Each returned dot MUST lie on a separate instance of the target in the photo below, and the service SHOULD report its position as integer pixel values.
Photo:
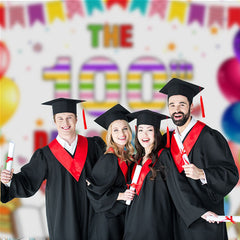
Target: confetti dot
(171, 46)
(214, 30)
(37, 47)
(2, 140)
(39, 122)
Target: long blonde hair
(125, 155)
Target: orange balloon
(9, 99)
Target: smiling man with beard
(212, 173)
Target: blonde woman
(107, 190)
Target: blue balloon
(231, 122)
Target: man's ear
(191, 108)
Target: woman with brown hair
(107, 190)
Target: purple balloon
(229, 79)
(236, 45)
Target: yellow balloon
(9, 99)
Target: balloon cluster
(9, 92)
(229, 83)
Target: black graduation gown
(151, 213)
(107, 181)
(67, 205)
(212, 154)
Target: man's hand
(193, 172)
(205, 215)
(6, 176)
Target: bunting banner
(233, 16)
(55, 11)
(35, 13)
(140, 5)
(216, 15)
(16, 14)
(74, 8)
(92, 5)
(158, 8)
(122, 3)
(196, 13)
(185, 12)
(2, 16)
(178, 10)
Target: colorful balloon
(9, 99)
(4, 58)
(228, 79)
(231, 122)
(236, 45)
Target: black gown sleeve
(220, 169)
(186, 202)
(101, 192)
(27, 182)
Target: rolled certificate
(232, 219)
(10, 156)
(181, 148)
(134, 180)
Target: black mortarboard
(148, 117)
(60, 105)
(117, 112)
(180, 87)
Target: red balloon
(4, 58)
(229, 79)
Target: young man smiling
(65, 163)
(212, 173)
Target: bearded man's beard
(183, 120)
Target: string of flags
(186, 12)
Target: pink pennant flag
(16, 15)
(159, 8)
(216, 15)
(74, 7)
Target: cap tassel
(84, 119)
(202, 107)
(135, 128)
(168, 139)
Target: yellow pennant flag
(178, 10)
(55, 10)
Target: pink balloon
(229, 79)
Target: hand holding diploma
(134, 180)
(6, 175)
(232, 219)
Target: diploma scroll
(181, 148)
(232, 219)
(10, 156)
(134, 180)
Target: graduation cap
(177, 86)
(117, 112)
(60, 105)
(148, 117)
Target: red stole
(144, 171)
(122, 164)
(73, 165)
(188, 144)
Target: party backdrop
(108, 52)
